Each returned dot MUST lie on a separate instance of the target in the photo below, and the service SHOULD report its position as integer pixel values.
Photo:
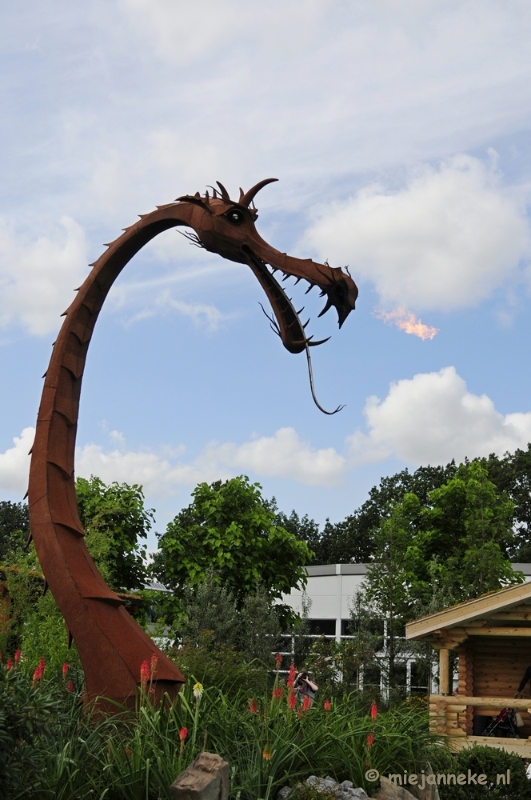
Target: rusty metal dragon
(112, 646)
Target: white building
(330, 591)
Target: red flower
(128, 751)
(374, 711)
(9, 664)
(292, 700)
(18, 653)
(144, 674)
(306, 703)
(39, 671)
(154, 661)
(65, 670)
(253, 707)
(370, 740)
(277, 692)
(291, 676)
(70, 686)
(278, 661)
(326, 705)
(183, 733)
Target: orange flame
(406, 321)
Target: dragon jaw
(227, 228)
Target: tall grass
(136, 756)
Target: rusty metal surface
(110, 643)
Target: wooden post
(444, 671)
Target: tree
(452, 548)
(512, 475)
(230, 528)
(115, 520)
(304, 528)
(470, 535)
(14, 527)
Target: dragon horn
(224, 192)
(246, 198)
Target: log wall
(493, 667)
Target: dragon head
(227, 227)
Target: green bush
(482, 760)
(52, 748)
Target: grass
(56, 749)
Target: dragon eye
(235, 216)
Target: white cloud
(202, 315)
(14, 464)
(37, 278)
(428, 419)
(432, 419)
(282, 455)
(445, 241)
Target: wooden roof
(506, 612)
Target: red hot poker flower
(374, 711)
(65, 669)
(292, 701)
(292, 675)
(18, 653)
(154, 662)
(253, 707)
(306, 704)
(9, 664)
(326, 705)
(144, 673)
(278, 661)
(70, 686)
(183, 733)
(370, 740)
(277, 692)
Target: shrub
(482, 760)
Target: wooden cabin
(491, 636)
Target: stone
(390, 791)
(347, 785)
(284, 793)
(207, 778)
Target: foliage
(352, 539)
(231, 529)
(52, 749)
(33, 622)
(208, 608)
(114, 519)
(221, 666)
(31, 714)
(427, 555)
(512, 475)
(481, 760)
(14, 528)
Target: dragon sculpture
(111, 645)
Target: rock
(284, 793)
(389, 791)
(207, 778)
(327, 786)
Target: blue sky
(400, 136)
